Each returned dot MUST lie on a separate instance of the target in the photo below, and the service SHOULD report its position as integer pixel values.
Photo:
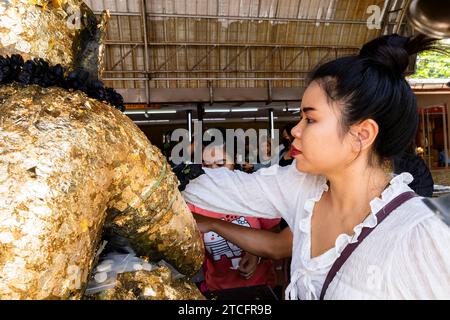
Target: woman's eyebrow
(307, 109)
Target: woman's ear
(366, 132)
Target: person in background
(265, 145)
(269, 244)
(243, 160)
(187, 170)
(286, 158)
(409, 161)
(441, 161)
(226, 264)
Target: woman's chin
(302, 166)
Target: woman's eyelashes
(308, 120)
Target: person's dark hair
(372, 85)
(288, 128)
(39, 72)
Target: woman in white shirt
(356, 112)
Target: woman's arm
(269, 193)
(262, 243)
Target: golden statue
(72, 167)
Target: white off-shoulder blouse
(405, 257)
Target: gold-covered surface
(66, 161)
(158, 235)
(150, 285)
(62, 32)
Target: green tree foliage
(433, 65)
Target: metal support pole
(189, 124)
(428, 136)
(236, 18)
(204, 78)
(211, 92)
(423, 131)
(271, 124)
(200, 111)
(385, 15)
(269, 91)
(402, 16)
(206, 71)
(146, 58)
(234, 45)
(444, 119)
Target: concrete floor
(441, 176)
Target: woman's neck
(352, 189)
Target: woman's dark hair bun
(393, 51)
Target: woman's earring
(360, 142)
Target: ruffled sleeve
(420, 267)
(268, 193)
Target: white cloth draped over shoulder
(405, 257)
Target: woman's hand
(204, 224)
(248, 265)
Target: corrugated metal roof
(254, 47)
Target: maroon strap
(381, 215)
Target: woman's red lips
(295, 151)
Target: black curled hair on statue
(372, 85)
(39, 72)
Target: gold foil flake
(7, 21)
(57, 3)
(8, 39)
(84, 225)
(6, 237)
(23, 46)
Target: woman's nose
(297, 131)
